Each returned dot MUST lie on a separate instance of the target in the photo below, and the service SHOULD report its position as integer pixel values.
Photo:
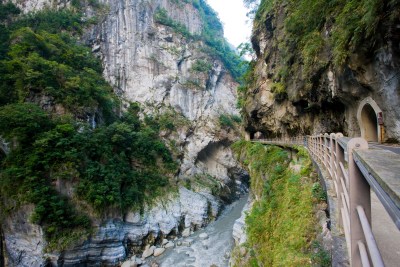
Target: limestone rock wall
(151, 64)
(23, 241)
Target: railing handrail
(352, 185)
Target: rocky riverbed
(210, 246)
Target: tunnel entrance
(369, 123)
(370, 120)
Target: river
(213, 251)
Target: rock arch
(370, 120)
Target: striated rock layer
(113, 238)
(118, 237)
(149, 63)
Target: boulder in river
(158, 251)
(186, 232)
(169, 245)
(148, 251)
(129, 263)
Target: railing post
(313, 146)
(316, 148)
(339, 189)
(323, 149)
(359, 193)
(332, 159)
(326, 151)
(320, 147)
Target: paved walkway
(386, 233)
(395, 149)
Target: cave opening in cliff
(369, 123)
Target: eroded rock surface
(329, 99)
(114, 237)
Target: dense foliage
(281, 224)
(212, 35)
(161, 16)
(230, 121)
(56, 66)
(49, 86)
(318, 32)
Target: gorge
(123, 127)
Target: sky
(232, 13)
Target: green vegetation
(161, 17)
(279, 90)
(281, 224)
(168, 119)
(212, 35)
(318, 192)
(229, 121)
(318, 32)
(120, 165)
(52, 21)
(201, 66)
(203, 182)
(54, 65)
(248, 83)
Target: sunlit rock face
(150, 63)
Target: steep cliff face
(154, 65)
(325, 68)
(166, 71)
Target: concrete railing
(284, 141)
(336, 153)
(353, 178)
